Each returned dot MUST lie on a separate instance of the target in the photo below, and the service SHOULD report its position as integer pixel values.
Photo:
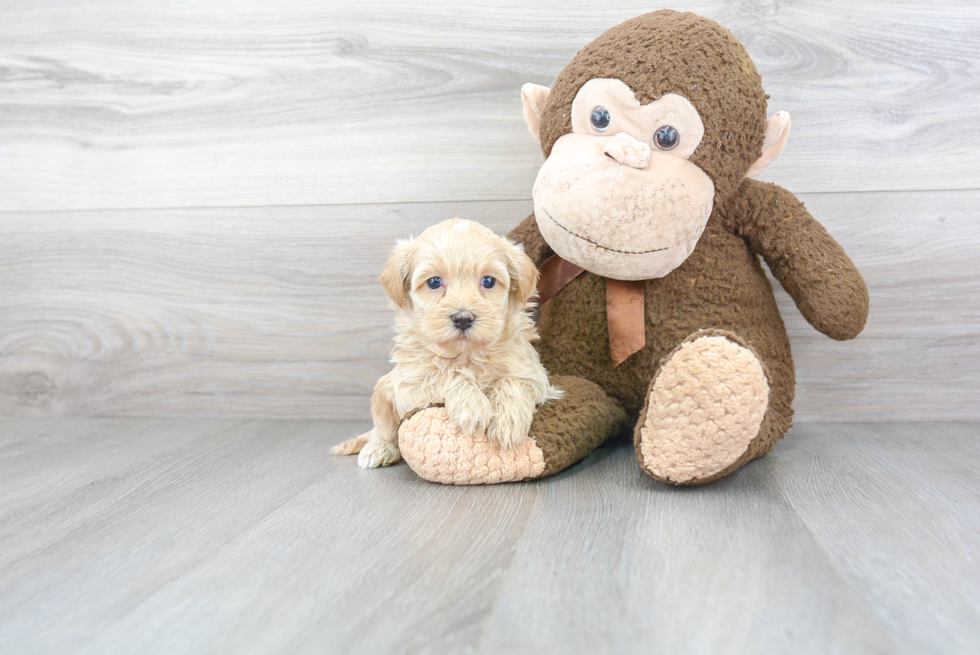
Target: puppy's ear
(397, 272)
(523, 273)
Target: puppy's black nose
(463, 320)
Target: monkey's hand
(468, 407)
(812, 267)
(513, 411)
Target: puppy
(464, 335)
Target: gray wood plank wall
(196, 198)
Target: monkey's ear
(777, 132)
(523, 274)
(397, 272)
(534, 97)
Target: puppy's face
(459, 283)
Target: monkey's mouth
(599, 245)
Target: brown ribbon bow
(624, 305)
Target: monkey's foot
(563, 432)
(440, 452)
(703, 410)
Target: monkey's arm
(811, 266)
(534, 244)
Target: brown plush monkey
(648, 228)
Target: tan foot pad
(705, 409)
(441, 452)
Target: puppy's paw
(509, 429)
(473, 418)
(378, 453)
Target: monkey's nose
(463, 320)
(628, 151)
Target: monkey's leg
(563, 432)
(705, 410)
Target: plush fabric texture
(812, 267)
(628, 117)
(777, 134)
(672, 52)
(611, 202)
(715, 353)
(440, 452)
(627, 150)
(721, 287)
(570, 428)
(615, 220)
(563, 432)
(703, 410)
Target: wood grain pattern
(187, 104)
(261, 119)
(906, 498)
(276, 312)
(62, 455)
(247, 536)
(723, 568)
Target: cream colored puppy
(463, 339)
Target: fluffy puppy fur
(464, 335)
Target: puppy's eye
(434, 282)
(600, 118)
(666, 137)
(488, 282)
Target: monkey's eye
(600, 118)
(666, 137)
(488, 282)
(434, 282)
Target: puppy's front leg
(381, 446)
(513, 409)
(468, 407)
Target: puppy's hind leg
(351, 446)
(380, 447)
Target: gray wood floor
(203, 536)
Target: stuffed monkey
(648, 227)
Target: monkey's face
(618, 195)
